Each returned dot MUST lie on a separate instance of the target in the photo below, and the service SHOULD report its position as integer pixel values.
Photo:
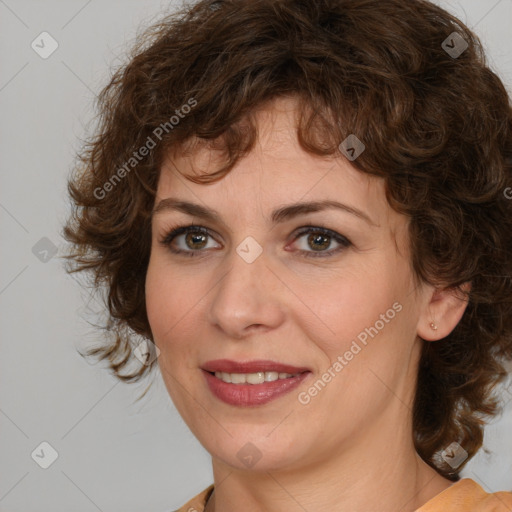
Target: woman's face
(339, 307)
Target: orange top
(462, 496)
(467, 496)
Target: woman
(300, 205)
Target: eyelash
(179, 230)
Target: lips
(228, 366)
(251, 394)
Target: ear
(443, 312)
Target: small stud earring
(433, 326)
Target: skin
(350, 447)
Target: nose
(247, 298)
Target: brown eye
(194, 240)
(187, 240)
(318, 240)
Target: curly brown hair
(437, 127)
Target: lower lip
(248, 395)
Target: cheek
(167, 307)
(348, 307)
(154, 298)
(173, 301)
(375, 345)
(369, 355)
(162, 301)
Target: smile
(252, 383)
(252, 378)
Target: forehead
(277, 171)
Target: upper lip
(228, 366)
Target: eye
(318, 240)
(189, 239)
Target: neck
(375, 471)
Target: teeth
(252, 378)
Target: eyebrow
(279, 215)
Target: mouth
(253, 378)
(247, 384)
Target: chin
(255, 451)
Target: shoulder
(500, 501)
(198, 502)
(466, 495)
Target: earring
(433, 326)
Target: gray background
(113, 453)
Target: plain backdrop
(113, 454)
